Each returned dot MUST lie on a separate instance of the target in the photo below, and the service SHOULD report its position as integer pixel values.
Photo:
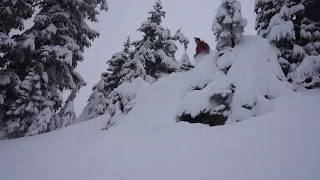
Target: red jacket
(202, 47)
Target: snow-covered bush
(307, 74)
(209, 105)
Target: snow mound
(257, 76)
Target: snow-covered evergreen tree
(56, 41)
(12, 15)
(115, 65)
(307, 30)
(96, 104)
(135, 67)
(9, 83)
(265, 10)
(307, 47)
(312, 10)
(122, 99)
(282, 31)
(154, 55)
(29, 103)
(289, 26)
(228, 24)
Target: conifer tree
(154, 55)
(308, 30)
(228, 24)
(307, 47)
(291, 28)
(97, 102)
(9, 83)
(115, 65)
(29, 103)
(312, 8)
(56, 41)
(12, 15)
(277, 21)
(265, 10)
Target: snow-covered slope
(148, 143)
(282, 145)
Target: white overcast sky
(124, 17)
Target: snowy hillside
(277, 141)
(282, 145)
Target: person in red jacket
(202, 47)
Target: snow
(28, 41)
(298, 50)
(279, 145)
(165, 59)
(279, 27)
(64, 54)
(310, 67)
(256, 75)
(41, 122)
(226, 60)
(280, 142)
(227, 20)
(181, 38)
(199, 101)
(184, 60)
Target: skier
(202, 47)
